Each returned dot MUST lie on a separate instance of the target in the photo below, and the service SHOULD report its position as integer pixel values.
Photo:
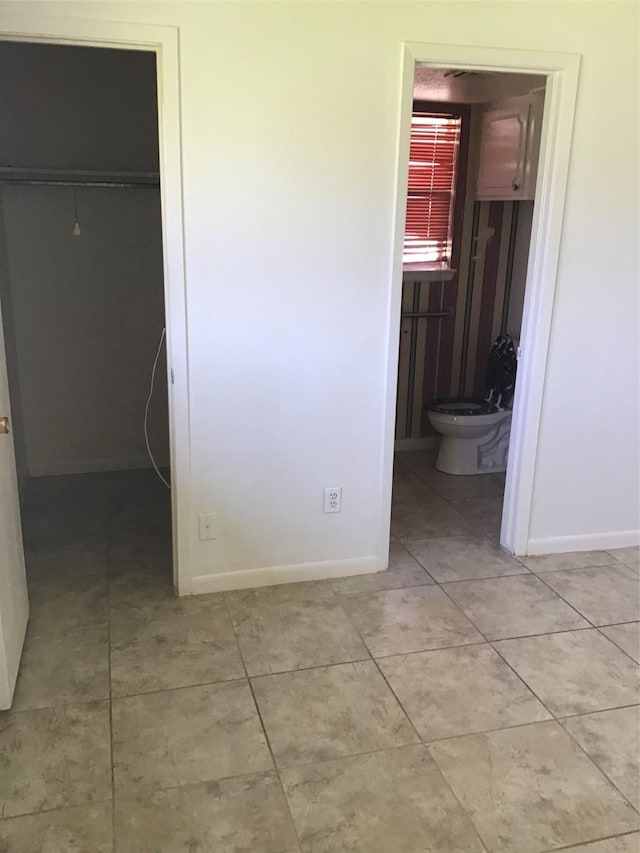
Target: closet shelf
(77, 177)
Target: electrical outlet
(208, 525)
(333, 499)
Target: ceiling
(464, 87)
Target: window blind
(433, 160)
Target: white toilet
(475, 433)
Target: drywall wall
(83, 314)
(78, 108)
(288, 240)
(88, 312)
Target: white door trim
(561, 70)
(163, 41)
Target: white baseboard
(270, 575)
(584, 542)
(90, 466)
(430, 443)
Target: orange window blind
(433, 160)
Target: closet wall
(83, 315)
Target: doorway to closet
(83, 307)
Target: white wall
(289, 127)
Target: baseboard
(584, 542)
(91, 466)
(270, 575)
(430, 443)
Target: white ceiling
(439, 84)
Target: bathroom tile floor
(461, 701)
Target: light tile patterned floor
(462, 701)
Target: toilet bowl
(475, 433)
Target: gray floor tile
(193, 767)
(409, 620)
(407, 487)
(59, 524)
(317, 714)
(464, 558)
(389, 801)
(513, 606)
(68, 489)
(404, 570)
(605, 595)
(574, 673)
(184, 736)
(620, 844)
(299, 634)
(173, 651)
(80, 829)
(612, 741)
(460, 691)
(532, 788)
(418, 461)
(56, 607)
(66, 563)
(63, 669)
(148, 596)
(631, 555)
(626, 637)
(140, 551)
(424, 519)
(136, 507)
(570, 560)
(284, 593)
(484, 514)
(246, 814)
(450, 486)
(54, 757)
(137, 593)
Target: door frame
(163, 41)
(561, 71)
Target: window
(433, 161)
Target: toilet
(475, 433)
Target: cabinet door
(503, 152)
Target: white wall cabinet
(509, 148)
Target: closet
(81, 246)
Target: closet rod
(38, 182)
(36, 176)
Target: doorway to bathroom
(464, 271)
(484, 267)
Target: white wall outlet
(208, 525)
(333, 499)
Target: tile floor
(461, 701)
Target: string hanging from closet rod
(76, 228)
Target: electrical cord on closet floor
(146, 409)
